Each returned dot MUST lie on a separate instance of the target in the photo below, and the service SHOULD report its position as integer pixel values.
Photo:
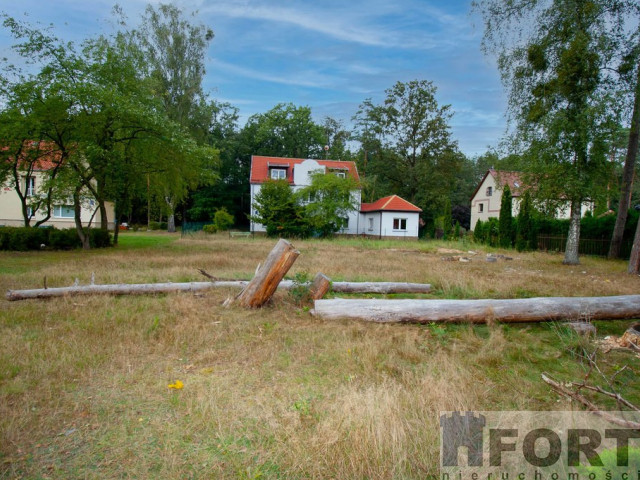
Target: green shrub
(66, 239)
(211, 228)
(222, 219)
(157, 225)
(99, 238)
(30, 238)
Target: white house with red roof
(486, 200)
(388, 217)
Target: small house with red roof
(487, 198)
(388, 217)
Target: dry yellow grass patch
(270, 393)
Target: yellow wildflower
(176, 386)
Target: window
(489, 191)
(63, 211)
(29, 212)
(311, 197)
(371, 224)
(399, 223)
(481, 207)
(278, 173)
(341, 174)
(30, 183)
(344, 223)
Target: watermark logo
(538, 446)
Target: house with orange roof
(487, 198)
(32, 178)
(388, 217)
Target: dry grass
(273, 393)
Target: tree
(552, 56)
(525, 234)
(278, 210)
(506, 219)
(329, 201)
(107, 127)
(407, 146)
(629, 64)
(174, 51)
(284, 131)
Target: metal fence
(189, 228)
(588, 246)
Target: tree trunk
(627, 175)
(104, 221)
(171, 219)
(77, 210)
(266, 280)
(151, 288)
(634, 258)
(480, 311)
(571, 256)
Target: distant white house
(62, 213)
(388, 217)
(486, 200)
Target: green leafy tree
(277, 209)
(506, 218)
(552, 56)
(329, 200)
(284, 131)
(173, 48)
(407, 146)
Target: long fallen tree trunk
(480, 311)
(151, 288)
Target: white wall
(382, 224)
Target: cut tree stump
(265, 282)
(320, 286)
(479, 311)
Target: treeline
(119, 120)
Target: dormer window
(489, 191)
(340, 174)
(278, 173)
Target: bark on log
(479, 311)
(320, 286)
(118, 289)
(151, 288)
(380, 287)
(265, 282)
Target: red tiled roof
(393, 203)
(44, 156)
(503, 177)
(260, 167)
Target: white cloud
(297, 78)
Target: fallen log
(265, 282)
(119, 289)
(479, 311)
(151, 288)
(380, 287)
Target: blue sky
(328, 54)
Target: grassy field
(271, 393)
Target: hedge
(30, 238)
